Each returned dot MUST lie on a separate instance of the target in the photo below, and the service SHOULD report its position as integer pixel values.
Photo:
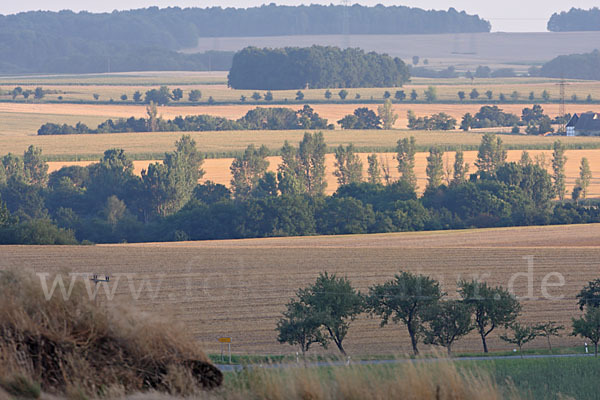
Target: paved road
(238, 367)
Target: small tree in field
(545, 95)
(299, 95)
(269, 96)
(343, 94)
(335, 304)
(256, 96)
(431, 94)
(588, 326)
(489, 94)
(447, 321)
(400, 95)
(589, 296)
(137, 96)
(328, 94)
(461, 95)
(387, 115)
(194, 95)
(299, 326)
(407, 298)
(474, 94)
(548, 330)
(491, 307)
(520, 335)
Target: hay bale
(66, 343)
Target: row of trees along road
(324, 311)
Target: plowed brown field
(239, 288)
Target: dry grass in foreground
(70, 346)
(416, 381)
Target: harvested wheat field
(239, 288)
(217, 170)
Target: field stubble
(239, 288)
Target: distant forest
(314, 67)
(576, 19)
(148, 39)
(574, 66)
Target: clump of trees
(256, 119)
(573, 66)
(440, 121)
(576, 19)
(489, 116)
(314, 67)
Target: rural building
(586, 124)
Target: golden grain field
(217, 170)
(239, 288)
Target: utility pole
(562, 111)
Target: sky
(505, 15)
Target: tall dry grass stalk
(74, 346)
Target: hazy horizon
(506, 16)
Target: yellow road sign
(225, 340)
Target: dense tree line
(107, 202)
(576, 19)
(149, 39)
(276, 118)
(574, 66)
(314, 67)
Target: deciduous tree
(387, 115)
(407, 299)
(447, 321)
(520, 335)
(435, 168)
(588, 326)
(491, 154)
(246, 170)
(349, 167)
(405, 154)
(559, 160)
(335, 304)
(585, 177)
(491, 307)
(374, 170)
